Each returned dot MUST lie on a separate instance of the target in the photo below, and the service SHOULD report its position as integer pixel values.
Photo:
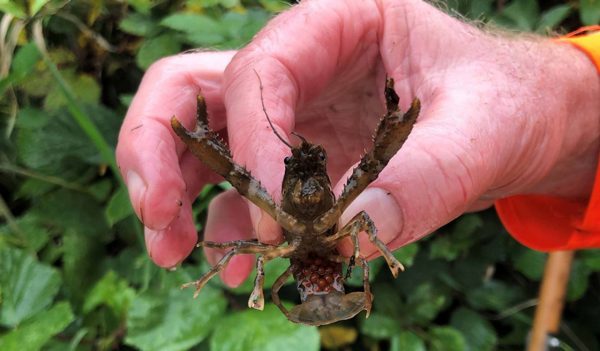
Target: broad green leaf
(553, 17)
(173, 321)
(142, 6)
(356, 277)
(266, 330)
(82, 254)
(119, 207)
(446, 339)
(380, 326)
(64, 143)
(24, 61)
(71, 209)
(156, 48)
(449, 247)
(22, 64)
(201, 30)
(407, 341)
(139, 24)
(406, 254)
(578, 280)
(530, 263)
(32, 234)
(467, 224)
(494, 295)
(190, 23)
(111, 291)
(85, 87)
(273, 269)
(28, 287)
(13, 8)
(275, 5)
(31, 118)
(478, 332)
(590, 258)
(101, 190)
(34, 333)
(36, 5)
(519, 14)
(589, 12)
(425, 303)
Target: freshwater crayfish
(308, 214)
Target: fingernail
(137, 192)
(382, 208)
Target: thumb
(428, 183)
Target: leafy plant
(74, 274)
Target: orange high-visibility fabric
(548, 223)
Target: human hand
(497, 118)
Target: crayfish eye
(322, 156)
(287, 160)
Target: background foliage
(74, 274)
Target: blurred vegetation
(74, 274)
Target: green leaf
(590, 258)
(32, 234)
(141, 6)
(25, 60)
(530, 263)
(33, 334)
(173, 321)
(478, 332)
(275, 5)
(118, 207)
(519, 14)
(273, 269)
(139, 24)
(156, 48)
(201, 30)
(22, 64)
(85, 88)
(82, 214)
(82, 254)
(112, 292)
(406, 254)
(578, 281)
(467, 224)
(553, 17)
(31, 118)
(380, 326)
(425, 303)
(447, 339)
(589, 12)
(13, 8)
(190, 22)
(494, 295)
(449, 247)
(64, 143)
(28, 286)
(356, 277)
(266, 330)
(36, 5)
(407, 341)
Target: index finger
(148, 153)
(292, 72)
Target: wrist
(559, 99)
(574, 169)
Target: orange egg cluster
(316, 275)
